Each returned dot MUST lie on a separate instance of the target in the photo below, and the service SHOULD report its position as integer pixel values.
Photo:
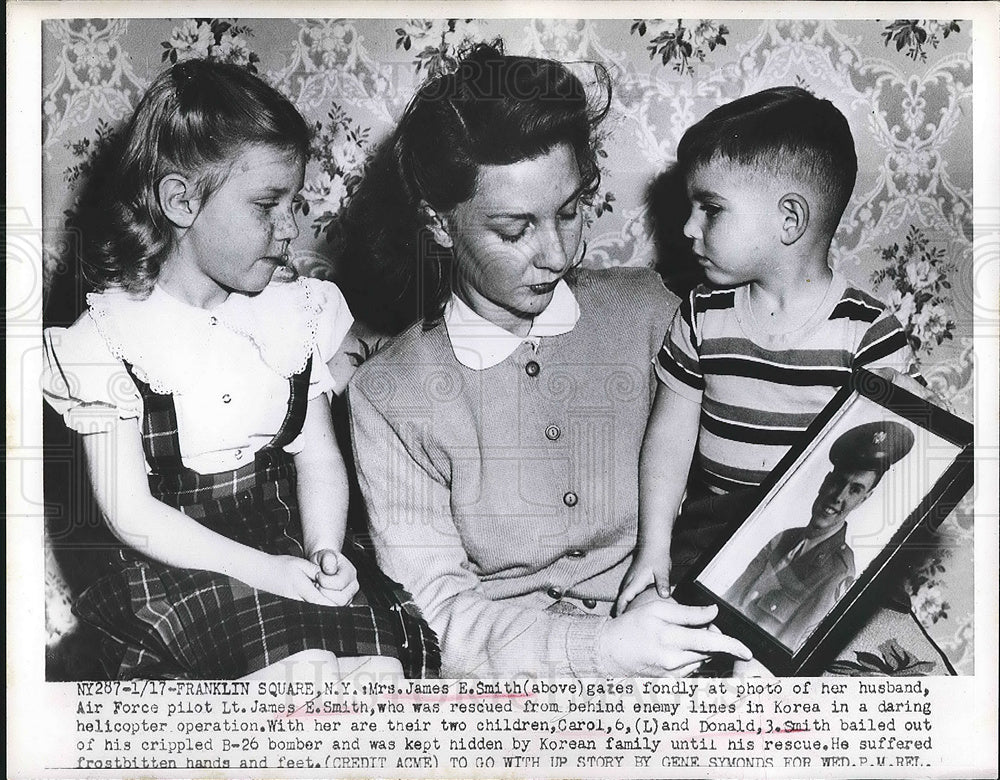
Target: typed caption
(641, 728)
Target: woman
(497, 440)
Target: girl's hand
(296, 578)
(646, 569)
(661, 638)
(337, 577)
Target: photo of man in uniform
(800, 574)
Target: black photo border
(847, 616)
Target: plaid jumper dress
(159, 621)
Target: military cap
(874, 446)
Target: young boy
(750, 361)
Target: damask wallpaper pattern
(905, 86)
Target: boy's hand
(911, 385)
(337, 578)
(645, 570)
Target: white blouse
(227, 367)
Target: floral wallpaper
(904, 85)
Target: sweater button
(590, 603)
(226, 398)
(575, 554)
(531, 368)
(552, 432)
(570, 499)
(554, 593)
(213, 320)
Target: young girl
(200, 387)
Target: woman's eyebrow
(703, 194)
(273, 189)
(575, 195)
(512, 215)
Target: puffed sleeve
(418, 544)
(83, 381)
(333, 321)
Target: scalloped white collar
(163, 336)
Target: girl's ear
(437, 224)
(794, 210)
(179, 199)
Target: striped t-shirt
(759, 392)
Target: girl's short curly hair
(492, 109)
(194, 119)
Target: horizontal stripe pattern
(720, 478)
(758, 399)
(762, 417)
(749, 432)
(681, 373)
(882, 349)
(744, 347)
(775, 372)
(703, 300)
(686, 317)
(857, 305)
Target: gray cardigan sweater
(505, 500)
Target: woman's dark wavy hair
(493, 109)
(194, 119)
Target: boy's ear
(179, 199)
(794, 209)
(437, 224)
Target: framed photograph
(800, 573)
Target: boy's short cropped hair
(783, 131)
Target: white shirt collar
(479, 344)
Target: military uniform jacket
(787, 594)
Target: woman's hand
(661, 638)
(337, 577)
